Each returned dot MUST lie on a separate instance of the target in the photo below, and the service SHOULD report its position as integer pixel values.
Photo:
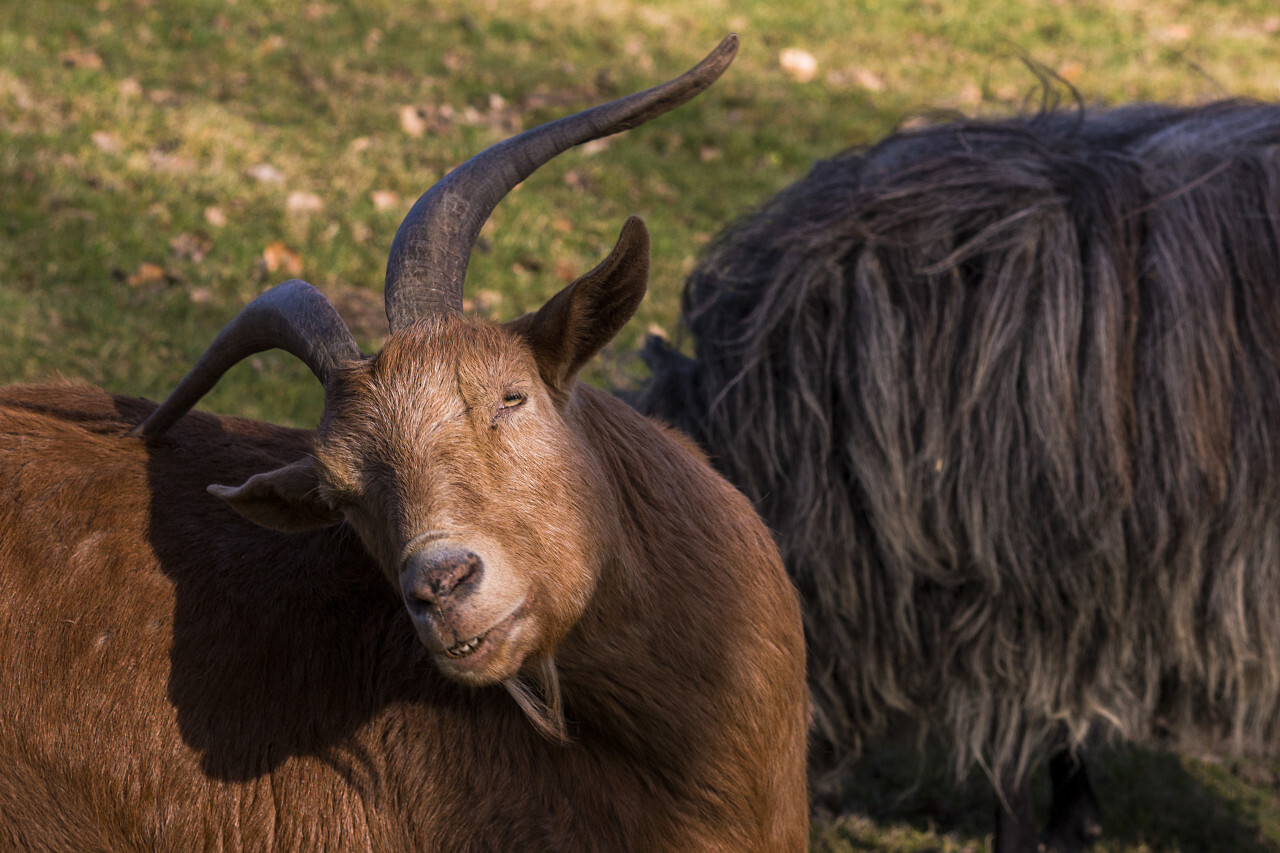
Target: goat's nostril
(430, 576)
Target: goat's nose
(430, 576)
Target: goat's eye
(510, 401)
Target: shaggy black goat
(1009, 394)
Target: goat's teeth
(466, 647)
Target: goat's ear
(286, 499)
(578, 321)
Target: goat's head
(453, 451)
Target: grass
(160, 164)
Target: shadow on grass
(1153, 802)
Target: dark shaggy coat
(1009, 394)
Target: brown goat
(482, 607)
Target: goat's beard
(537, 692)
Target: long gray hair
(1008, 392)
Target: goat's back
(175, 676)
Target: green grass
(136, 205)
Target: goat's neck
(663, 660)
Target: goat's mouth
(466, 647)
(487, 656)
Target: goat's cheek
(545, 525)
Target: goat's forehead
(452, 353)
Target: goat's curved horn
(429, 256)
(292, 316)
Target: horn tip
(726, 50)
(715, 62)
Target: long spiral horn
(428, 259)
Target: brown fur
(177, 678)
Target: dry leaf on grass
(303, 202)
(191, 247)
(385, 199)
(106, 141)
(146, 273)
(868, 79)
(85, 59)
(266, 173)
(800, 64)
(279, 257)
(1071, 71)
(1174, 33)
(565, 271)
(412, 121)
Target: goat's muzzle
(460, 613)
(432, 579)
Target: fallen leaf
(566, 272)
(215, 217)
(162, 161)
(868, 79)
(85, 59)
(106, 141)
(1071, 71)
(278, 256)
(266, 173)
(412, 121)
(146, 273)
(303, 202)
(385, 199)
(578, 179)
(800, 64)
(1176, 33)
(317, 11)
(200, 295)
(970, 94)
(272, 43)
(191, 247)
(163, 97)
